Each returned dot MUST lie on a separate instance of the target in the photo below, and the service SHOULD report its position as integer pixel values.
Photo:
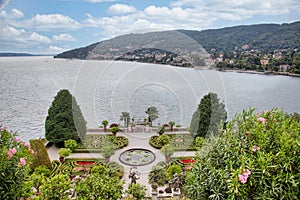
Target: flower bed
(85, 162)
(180, 142)
(93, 143)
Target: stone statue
(175, 183)
(133, 175)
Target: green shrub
(42, 170)
(56, 188)
(256, 157)
(64, 152)
(173, 169)
(137, 191)
(199, 142)
(70, 144)
(163, 139)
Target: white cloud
(121, 9)
(12, 37)
(13, 14)
(64, 37)
(55, 49)
(49, 22)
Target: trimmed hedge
(40, 155)
(68, 167)
(94, 143)
(180, 142)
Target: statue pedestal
(154, 195)
(176, 194)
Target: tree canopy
(152, 113)
(208, 116)
(65, 120)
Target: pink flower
(31, 151)
(22, 161)
(257, 114)
(265, 111)
(255, 148)
(27, 145)
(11, 152)
(242, 179)
(16, 139)
(262, 120)
(246, 173)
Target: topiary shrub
(70, 144)
(256, 157)
(40, 155)
(163, 139)
(173, 169)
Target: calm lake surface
(104, 89)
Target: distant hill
(187, 43)
(21, 54)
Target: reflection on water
(104, 89)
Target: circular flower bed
(137, 157)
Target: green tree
(104, 123)
(64, 152)
(56, 188)
(126, 118)
(167, 151)
(256, 156)
(107, 150)
(15, 158)
(40, 155)
(173, 169)
(114, 130)
(172, 124)
(152, 113)
(208, 116)
(159, 175)
(65, 120)
(137, 191)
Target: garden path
(136, 140)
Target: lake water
(104, 89)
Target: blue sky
(53, 26)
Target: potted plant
(64, 152)
(114, 130)
(171, 123)
(167, 151)
(107, 151)
(104, 123)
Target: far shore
(256, 72)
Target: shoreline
(261, 73)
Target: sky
(54, 26)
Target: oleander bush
(256, 157)
(15, 159)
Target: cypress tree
(207, 117)
(65, 120)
